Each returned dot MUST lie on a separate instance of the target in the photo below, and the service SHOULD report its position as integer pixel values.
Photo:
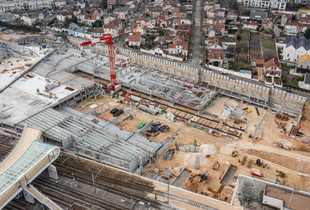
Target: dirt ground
(269, 144)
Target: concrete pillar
(28, 197)
(52, 172)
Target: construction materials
(168, 155)
(257, 111)
(118, 113)
(234, 153)
(113, 110)
(171, 116)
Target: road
(197, 34)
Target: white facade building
(295, 48)
(273, 4)
(8, 6)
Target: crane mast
(107, 39)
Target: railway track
(68, 195)
(106, 182)
(5, 149)
(130, 189)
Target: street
(196, 39)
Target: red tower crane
(107, 38)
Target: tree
(307, 33)
(97, 24)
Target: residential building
(95, 3)
(232, 15)
(285, 18)
(295, 48)
(212, 13)
(112, 4)
(63, 15)
(266, 4)
(179, 48)
(123, 13)
(267, 24)
(160, 50)
(306, 83)
(272, 71)
(258, 15)
(60, 3)
(155, 12)
(273, 68)
(89, 19)
(250, 25)
(97, 11)
(113, 27)
(134, 39)
(28, 19)
(303, 64)
(97, 32)
(22, 5)
(7, 17)
(75, 30)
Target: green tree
(307, 33)
(97, 24)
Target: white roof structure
(24, 164)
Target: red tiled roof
(135, 37)
(251, 22)
(272, 62)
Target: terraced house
(295, 48)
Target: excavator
(234, 153)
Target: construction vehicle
(216, 165)
(234, 153)
(141, 125)
(256, 172)
(261, 164)
(204, 178)
(107, 39)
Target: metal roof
(30, 158)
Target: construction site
(165, 122)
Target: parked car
(287, 90)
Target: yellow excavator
(234, 153)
